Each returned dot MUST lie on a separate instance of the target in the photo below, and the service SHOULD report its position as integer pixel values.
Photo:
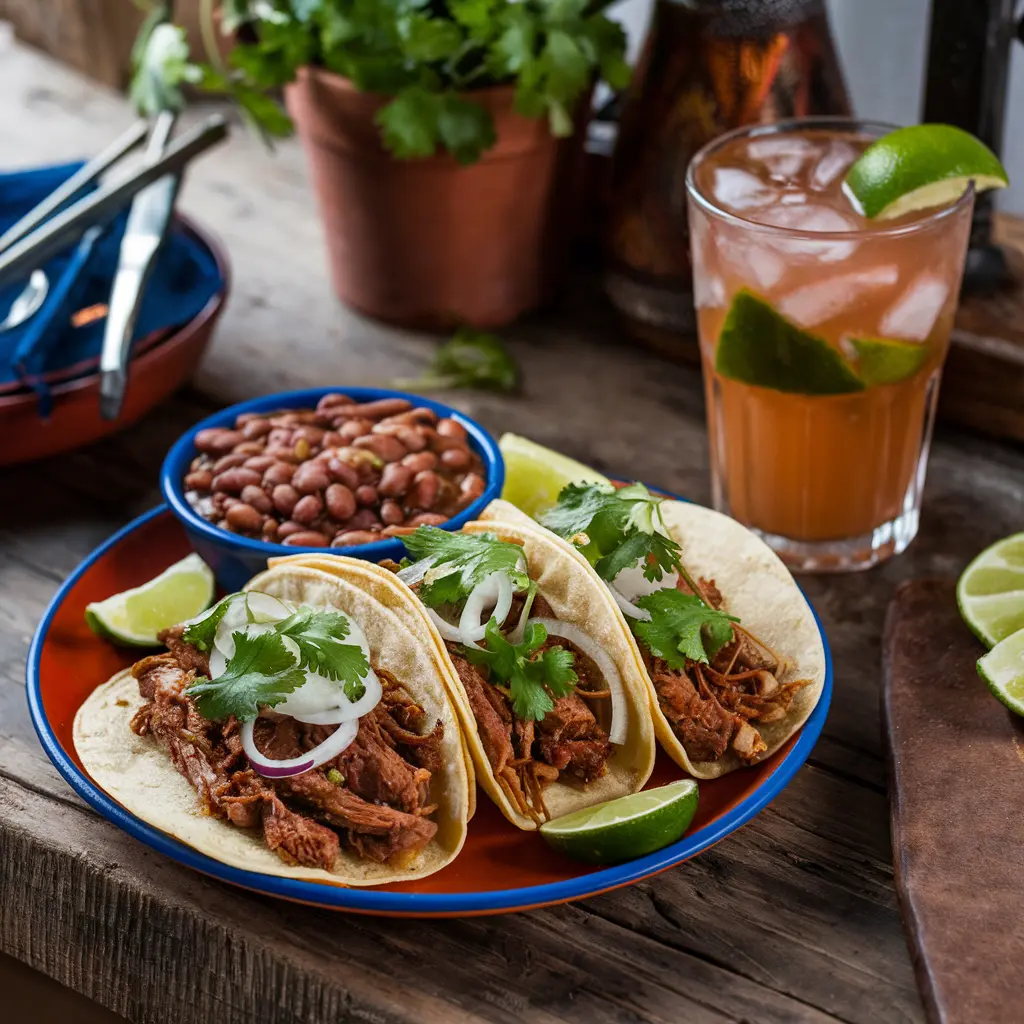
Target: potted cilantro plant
(438, 133)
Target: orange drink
(822, 335)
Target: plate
(500, 869)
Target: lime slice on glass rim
(135, 617)
(920, 167)
(990, 591)
(1003, 670)
(535, 475)
(626, 828)
(887, 360)
(759, 346)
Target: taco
(299, 729)
(553, 704)
(727, 643)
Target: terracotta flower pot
(428, 243)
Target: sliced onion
(628, 608)
(224, 640)
(282, 769)
(617, 727)
(497, 588)
(445, 628)
(414, 573)
(631, 583)
(264, 608)
(320, 695)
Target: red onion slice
(619, 723)
(270, 768)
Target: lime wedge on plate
(626, 828)
(534, 475)
(990, 592)
(920, 167)
(1003, 669)
(886, 360)
(136, 616)
(760, 346)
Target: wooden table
(792, 919)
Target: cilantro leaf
(615, 529)
(531, 679)
(682, 627)
(318, 634)
(466, 130)
(261, 673)
(160, 66)
(461, 561)
(409, 123)
(470, 359)
(200, 634)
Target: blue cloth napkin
(183, 281)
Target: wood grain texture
(792, 919)
(957, 822)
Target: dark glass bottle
(707, 66)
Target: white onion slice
(497, 588)
(412, 574)
(224, 640)
(631, 583)
(627, 607)
(617, 727)
(264, 608)
(319, 695)
(445, 628)
(281, 769)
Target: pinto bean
(351, 429)
(279, 437)
(278, 473)
(376, 410)
(424, 491)
(199, 480)
(391, 513)
(217, 440)
(261, 463)
(364, 519)
(332, 439)
(439, 443)
(280, 453)
(427, 519)
(472, 487)
(302, 449)
(335, 398)
(366, 494)
(254, 429)
(311, 477)
(395, 480)
(270, 528)
(415, 417)
(258, 498)
(451, 428)
(314, 435)
(288, 527)
(397, 531)
(419, 461)
(228, 462)
(308, 509)
(390, 449)
(456, 458)
(351, 537)
(248, 448)
(285, 498)
(343, 473)
(341, 502)
(231, 481)
(306, 539)
(245, 517)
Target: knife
(144, 233)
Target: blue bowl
(235, 559)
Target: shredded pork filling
(380, 809)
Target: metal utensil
(100, 207)
(27, 302)
(144, 233)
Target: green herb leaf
(409, 123)
(531, 678)
(615, 528)
(160, 66)
(471, 359)
(461, 561)
(200, 634)
(261, 673)
(318, 634)
(428, 39)
(466, 130)
(682, 627)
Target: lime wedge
(135, 617)
(990, 591)
(920, 167)
(534, 475)
(628, 827)
(1003, 669)
(887, 360)
(759, 346)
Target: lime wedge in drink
(990, 591)
(135, 617)
(534, 475)
(920, 167)
(628, 827)
(1003, 669)
(887, 360)
(759, 346)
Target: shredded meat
(188, 656)
(572, 741)
(703, 726)
(493, 718)
(380, 807)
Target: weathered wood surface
(792, 919)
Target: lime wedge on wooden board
(534, 475)
(990, 591)
(135, 617)
(1003, 670)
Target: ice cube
(708, 291)
(815, 303)
(838, 157)
(783, 156)
(917, 309)
(812, 219)
(741, 190)
(753, 263)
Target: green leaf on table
(470, 359)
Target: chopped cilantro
(531, 678)
(461, 561)
(318, 636)
(615, 528)
(261, 673)
(333, 775)
(682, 627)
(200, 634)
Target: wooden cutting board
(956, 785)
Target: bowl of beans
(345, 470)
